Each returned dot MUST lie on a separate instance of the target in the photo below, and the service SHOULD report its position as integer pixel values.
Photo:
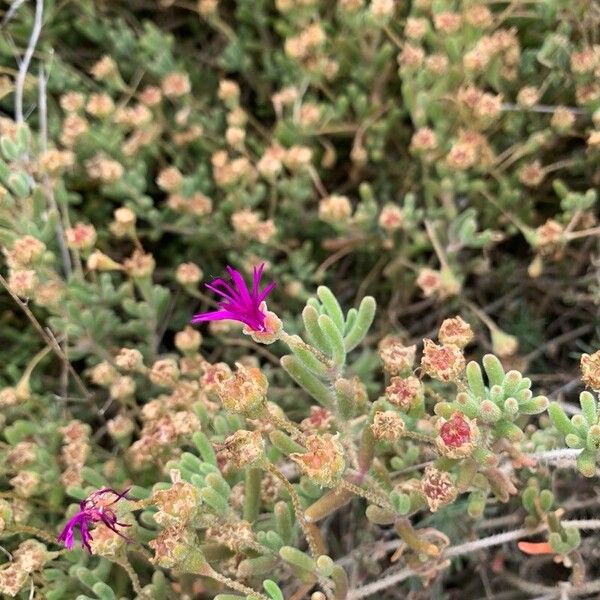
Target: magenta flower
(94, 509)
(239, 303)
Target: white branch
(24, 66)
(459, 550)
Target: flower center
(455, 432)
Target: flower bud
(391, 218)
(323, 461)
(124, 223)
(244, 392)
(455, 331)
(445, 362)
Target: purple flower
(94, 509)
(239, 303)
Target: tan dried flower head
(26, 250)
(391, 218)
(140, 264)
(188, 340)
(104, 68)
(26, 483)
(178, 505)
(121, 427)
(22, 282)
(335, 209)
(122, 388)
(424, 139)
(323, 461)
(446, 362)
(244, 392)
(397, 359)
(175, 85)
(31, 555)
(437, 487)
(404, 392)
(164, 373)
(8, 397)
(188, 274)
(455, 331)
(130, 359)
(590, 369)
(388, 426)
(100, 105)
(173, 546)
(170, 179)
(532, 174)
(244, 448)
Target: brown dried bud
(164, 373)
(106, 542)
(388, 426)
(437, 487)
(178, 505)
(323, 461)
(455, 331)
(446, 362)
(457, 436)
(405, 393)
(21, 455)
(590, 369)
(170, 179)
(244, 392)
